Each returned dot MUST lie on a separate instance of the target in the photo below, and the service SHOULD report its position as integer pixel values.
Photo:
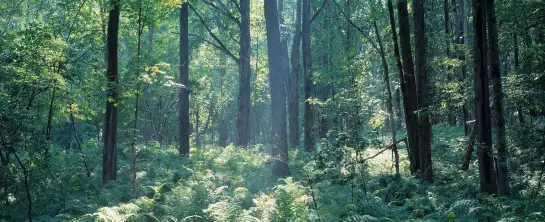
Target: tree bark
(423, 100)
(243, 118)
(307, 70)
(109, 156)
(278, 93)
(183, 102)
(293, 83)
(410, 86)
(503, 177)
(469, 150)
(482, 111)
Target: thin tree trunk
(138, 89)
(502, 171)
(469, 150)
(516, 55)
(49, 123)
(450, 115)
(307, 70)
(410, 85)
(109, 159)
(183, 104)
(482, 110)
(83, 156)
(278, 93)
(424, 125)
(389, 97)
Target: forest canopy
(272, 110)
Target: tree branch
(223, 11)
(363, 33)
(319, 10)
(382, 151)
(214, 36)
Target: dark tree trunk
(243, 118)
(423, 100)
(223, 133)
(503, 179)
(183, 102)
(109, 156)
(293, 83)
(307, 71)
(278, 92)
(410, 86)
(482, 110)
(398, 64)
(391, 116)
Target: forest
(272, 110)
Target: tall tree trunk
(49, 122)
(482, 111)
(423, 100)
(398, 63)
(183, 102)
(138, 89)
(243, 118)
(389, 96)
(410, 86)
(503, 177)
(451, 119)
(197, 126)
(293, 83)
(109, 156)
(307, 71)
(278, 93)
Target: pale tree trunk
(278, 92)
(138, 89)
(293, 83)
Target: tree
(278, 93)
(423, 100)
(307, 72)
(410, 85)
(109, 156)
(503, 179)
(293, 83)
(243, 118)
(388, 96)
(183, 104)
(483, 127)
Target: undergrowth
(234, 184)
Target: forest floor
(231, 184)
